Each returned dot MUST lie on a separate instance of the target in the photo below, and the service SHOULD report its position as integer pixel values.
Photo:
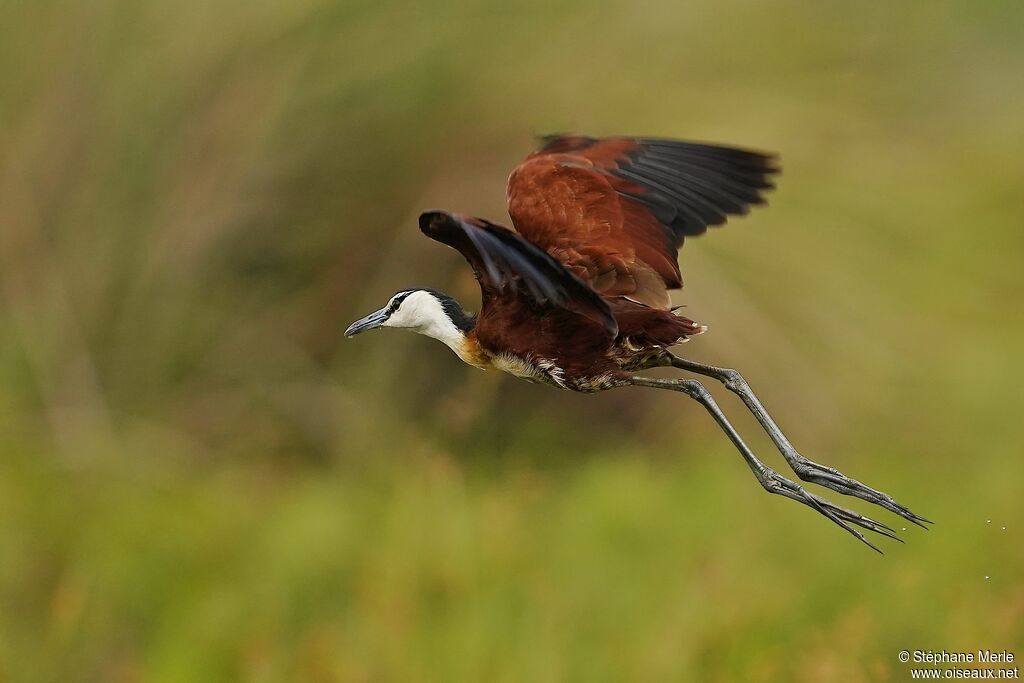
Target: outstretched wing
(616, 210)
(506, 264)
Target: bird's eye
(397, 300)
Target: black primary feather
(689, 185)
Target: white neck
(444, 330)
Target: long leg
(771, 480)
(806, 469)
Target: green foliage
(201, 480)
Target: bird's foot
(833, 479)
(773, 482)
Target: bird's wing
(506, 264)
(615, 210)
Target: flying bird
(577, 296)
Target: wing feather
(615, 211)
(506, 264)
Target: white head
(425, 311)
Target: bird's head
(425, 311)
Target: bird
(577, 295)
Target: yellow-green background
(202, 480)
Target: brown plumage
(615, 211)
(578, 295)
(603, 221)
(535, 310)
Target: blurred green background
(201, 480)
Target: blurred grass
(200, 480)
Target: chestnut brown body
(552, 345)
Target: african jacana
(577, 297)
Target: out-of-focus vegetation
(201, 480)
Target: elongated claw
(857, 518)
(776, 483)
(833, 479)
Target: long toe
(844, 518)
(833, 479)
